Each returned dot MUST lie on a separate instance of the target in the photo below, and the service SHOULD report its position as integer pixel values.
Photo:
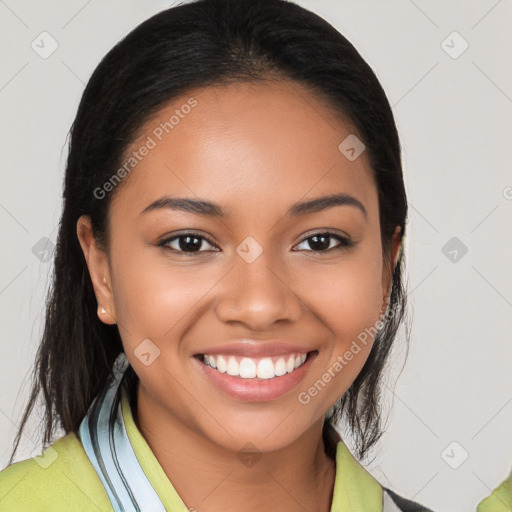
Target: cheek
(347, 297)
(154, 298)
(348, 300)
(157, 299)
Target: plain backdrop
(445, 67)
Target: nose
(258, 294)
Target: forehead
(243, 144)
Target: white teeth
(266, 368)
(290, 364)
(280, 367)
(233, 367)
(221, 364)
(248, 368)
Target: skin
(255, 149)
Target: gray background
(454, 116)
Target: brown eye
(322, 242)
(187, 243)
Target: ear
(99, 271)
(387, 271)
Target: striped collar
(134, 479)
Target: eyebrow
(207, 208)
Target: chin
(268, 434)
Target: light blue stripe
(129, 489)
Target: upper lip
(254, 348)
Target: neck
(209, 477)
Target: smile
(255, 379)
(251, 368)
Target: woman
(228, 274)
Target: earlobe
(105, 316)
(97, 264)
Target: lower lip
(256, 390)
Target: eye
(322, 242)
(189, 243)
(186, 243)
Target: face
(251, 280)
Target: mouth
(255, 379)
(255, 368)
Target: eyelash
(344, 242)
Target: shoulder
(392, 502)
(500, 500)
(60, 479)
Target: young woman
(228, 275)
